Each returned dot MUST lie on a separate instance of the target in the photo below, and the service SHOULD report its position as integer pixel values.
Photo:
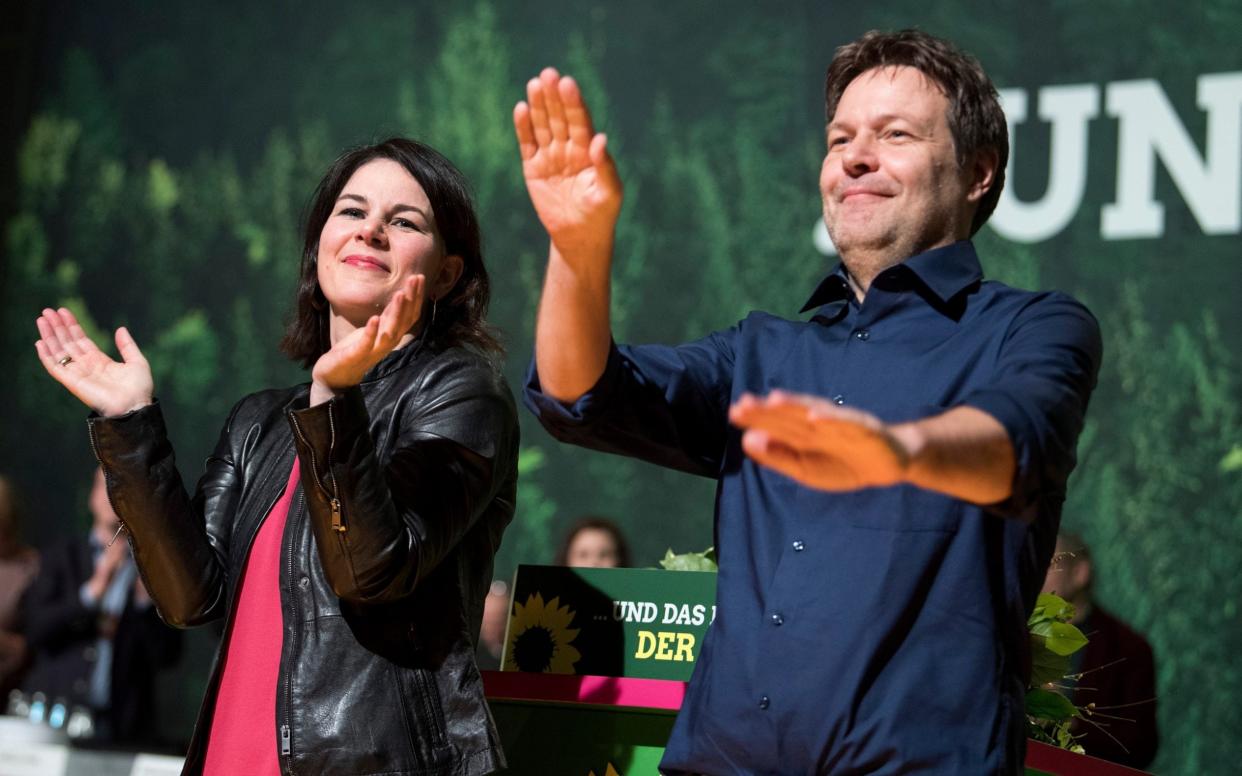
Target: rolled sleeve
(561, 419)
(662, 404)
(1045, 373)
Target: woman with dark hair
(594, 542)
(344, 529)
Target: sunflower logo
(540, 638)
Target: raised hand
(818, 443)
(108, 387)
(570, 176)
(350, 358)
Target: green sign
(641, 623)
(580, 740)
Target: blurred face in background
(593, 548)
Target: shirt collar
(831, 290)
(948, 269)
(945, 271)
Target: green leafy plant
(690, 561)
(1053, 639)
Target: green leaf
(1046, 665)
(1046, 704)
(1052, 607)
(1064, 639)
(691, 561)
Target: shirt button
(862, 334)
(799, 545)
(838, 399)
(778, 620)
(764, 702)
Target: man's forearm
(965, 453)
(573, 331)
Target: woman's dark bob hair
(461, 314)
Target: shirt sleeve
(1047, 368)
(667, 405)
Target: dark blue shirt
(880, 631)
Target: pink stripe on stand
(600, 690)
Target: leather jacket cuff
(338, 417)
(320, 432)
(123, 435)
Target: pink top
(243, 728)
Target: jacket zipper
(236, 592)
(286, 735)
(334, 503)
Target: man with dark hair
(1117, 669)
(890, 472)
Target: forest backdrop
(161, 155)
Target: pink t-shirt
(243, 727)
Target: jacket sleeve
(383, 526)
(178, 542)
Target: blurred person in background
(594, 542)
(94, 637)
(1117, 669)
(496, 608)
(344, 528)
(18, 566)
(591, 542)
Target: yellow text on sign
(665, 645)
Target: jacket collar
(396, 360)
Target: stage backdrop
(170, 148)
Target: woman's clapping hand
(107, 386)
(349, 359)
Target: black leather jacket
(407, 483)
